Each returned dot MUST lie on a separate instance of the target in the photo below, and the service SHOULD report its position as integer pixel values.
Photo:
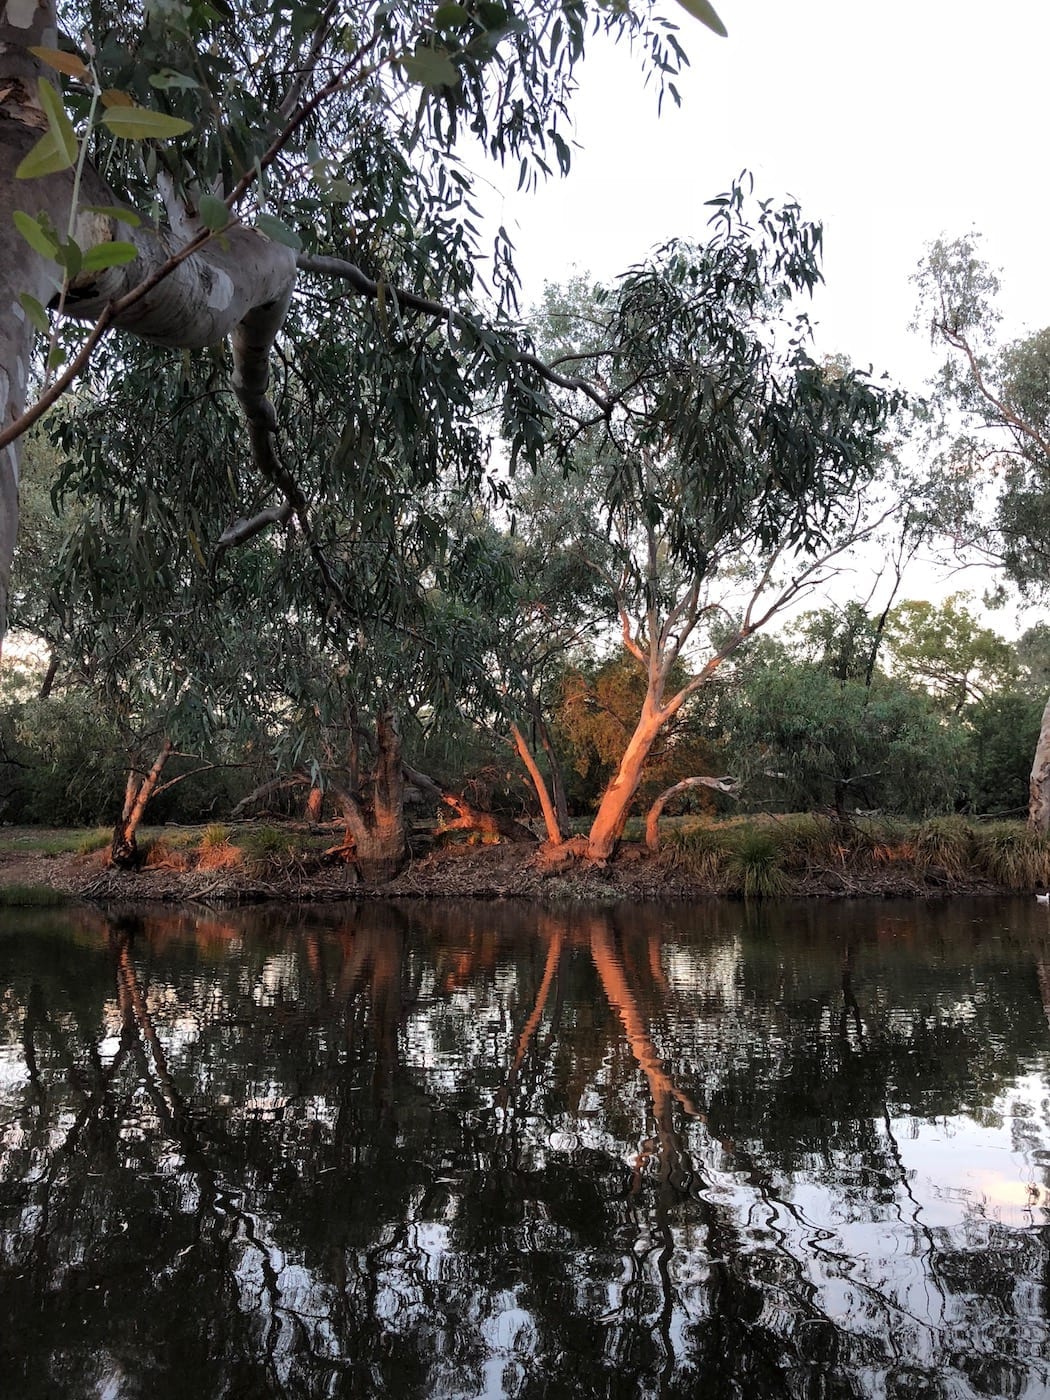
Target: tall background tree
(991, 425)
(725, 462)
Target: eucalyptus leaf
(69, 63)
(214, 213)
(105, 255)
(35, 311)
(449, 14)
(143, 124)
(115, 211)
(705, 13)
(46, 158)
(38, 237)
(168, 78)
(59, 124)
(430, 68)
(278, 232)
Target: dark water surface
(473, 1150)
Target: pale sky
(892, 124)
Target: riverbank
(799, 857)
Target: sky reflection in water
(473, 1150)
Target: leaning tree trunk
(238, 285)
(1039, 783)
(555, 831)
(611, 818)
(123, 849)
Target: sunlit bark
(137, 793)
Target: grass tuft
(1013, 856)
(945, 843)
(754, 868)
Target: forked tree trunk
(1039, 783)
(123, 851)
(379, 841)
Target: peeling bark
(611, 817)
(486, 824)
(377, 841)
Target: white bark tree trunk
(1039, 782)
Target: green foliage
(803, 739)
(1001, 734)
(945, 650)
(63, 762)
(596, 713)
(214, 835)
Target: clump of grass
(267, 849)
(159, 855)
(1013, 856)
(754, 868)
(945, 843)
(92, 841)
(698, 852)
(215, 834)
(883, 842)
(805, 839)
(32, 897)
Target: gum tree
(990, 424)
(728, 462)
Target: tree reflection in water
(477, 1150)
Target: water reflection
(482, 1150)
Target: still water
(466, 1150)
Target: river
(484, 1150)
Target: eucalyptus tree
(207, 166)
(945, 649)
(311, 647)
(728, 462)
(991, 422)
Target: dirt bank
(474, 872)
